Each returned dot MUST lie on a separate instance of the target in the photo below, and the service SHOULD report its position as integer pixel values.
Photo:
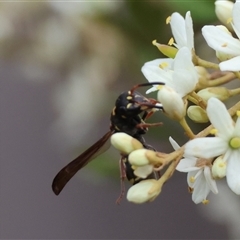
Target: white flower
(199, 176)
(226, 142)
(179, 75)
(158, 70)
(223, 10)
(221, 41)
(140, 192)
(182, 30)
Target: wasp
(128, 115)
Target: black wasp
(128, 115)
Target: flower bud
(221, 93)
(223, 10)
(143, 171)
(197, 114)
(165, 49)
(172, 102)
(140, 192)
(143, 157)
(138, 158)
(202, 72)
(125, 143)
(219, 168)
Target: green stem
(234, 92)
(222, 80)
(203, 63)
(199, 100)
(187, 129)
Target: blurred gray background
(62, 66)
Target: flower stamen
(171, 41)
(168, 19)
(163, 65)
(205, 202)
(230, 20)
(192, 179)
(214, 131)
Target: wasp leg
(145, 125)
(122, 178)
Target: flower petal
(201, 189)
(236, 18)
(233, 170)
(210, 181)
(153, 73)
(191, 175)
(167, 62)
(187, 165)
(185, 74)
(232, 64)
(220, 118)
(223, 10)
(189, 30)
(174, 143)
(221, 41)
(207, 147)
(177, 24)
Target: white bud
(143, 171)
(197, 114)
(223, 10)
(202, 72)
(219, 168)
(221, 93)
(140, 192)
(125, 143)
(172, 102)
(138, 157)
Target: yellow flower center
(235, 142)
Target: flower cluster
(213, 153)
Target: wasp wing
(73, 167)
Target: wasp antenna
(146, 84)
